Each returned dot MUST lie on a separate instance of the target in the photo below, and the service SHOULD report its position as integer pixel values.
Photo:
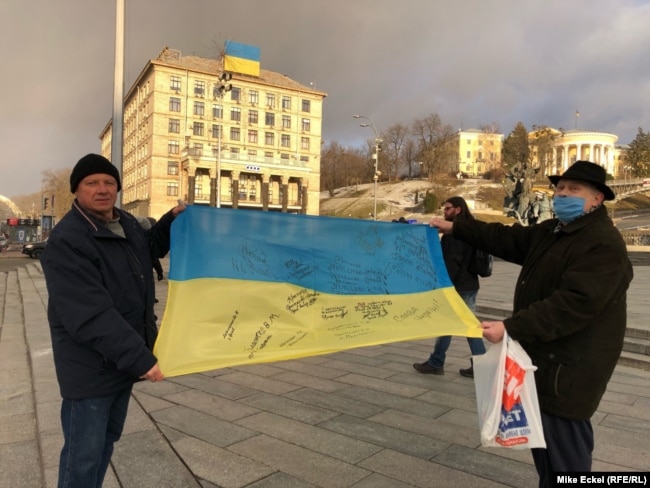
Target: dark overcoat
(100, 306)
(569, 309)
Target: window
(286, 122)
(252, 136)
(172, 189)
(284, 156)
(174, 104)
(197, 128)
(306, 106)
(199, 108)
(304, 142)
(235, 94)
(252, 116)
(268, 156)
(252, 153)
(175, 126)
(234, 153)
(469, 154)
(269, 138)
(304, 159)
(215, 130)
(286, 103)
(197, 149)
(253, 96)
(172, 168)
(480, 155)
(269, 119)
(285, 140)
(235, 114)
(306, 124)
(173, 147)
(198, 190)
(270, 100)
(234, 134)
(199, 88)
(175, 83)
(217, 111)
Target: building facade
(249, 142)
(477, 151)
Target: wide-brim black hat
(588, 172)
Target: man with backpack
(462, 265)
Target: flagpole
(118, 94)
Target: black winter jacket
(100, 305)
(458, 255)
(569, 310)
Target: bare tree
(56, 186)
(433, 140)
(341, 166)
(394, 143)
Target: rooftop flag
(249, 287)
(241, 58)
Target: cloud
(472, 62)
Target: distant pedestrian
(458, 257)
(98, 270)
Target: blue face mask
(568, 209)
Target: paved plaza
(356, 419)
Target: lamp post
(220, 88)
(375, 156)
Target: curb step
(636, 346)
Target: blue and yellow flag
(249, 287)
(242, 58)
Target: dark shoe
(155, 300)
(426, 368)
(467, 373)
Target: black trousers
(569, 445)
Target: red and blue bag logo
(514, 427)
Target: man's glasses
(447, 208)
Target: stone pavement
(359, 418)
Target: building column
(265, 192)
(305, 197)
(285, 193)
(235, 189)
(191, 185)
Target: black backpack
(481, 264)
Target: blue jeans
(437, 357)
(90, 428)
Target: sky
(472, 62)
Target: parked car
(34, 249)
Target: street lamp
(375, 156)
(220, 88)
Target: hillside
(398, 199)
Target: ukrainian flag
(241, 58)
(248, 287)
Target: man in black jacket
(569, 308)
(458, 256)
(98, 270)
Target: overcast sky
(470, 61)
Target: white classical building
(575, 145)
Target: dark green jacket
(569, 309)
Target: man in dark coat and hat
(98, 270)
(569, 309)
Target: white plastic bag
(508, 408)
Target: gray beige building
(250, 142)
